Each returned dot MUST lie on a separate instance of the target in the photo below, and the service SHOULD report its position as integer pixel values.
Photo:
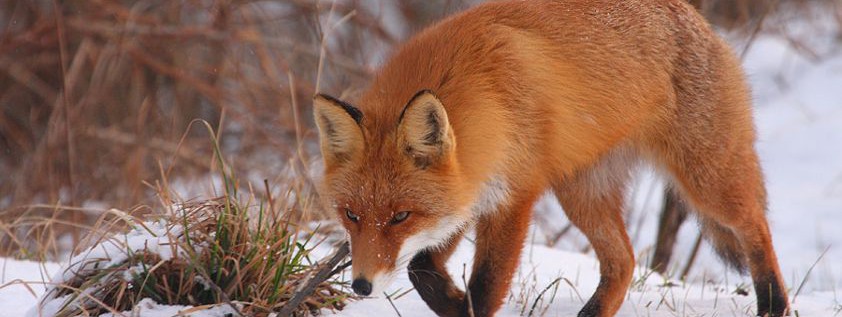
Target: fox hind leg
(721, 178)
(736, 205)
(707, 144)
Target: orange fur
(530, 95)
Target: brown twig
(693, 254)
(673, 215)
(389, 298)
(806, 276)
(120, 137)
(28, 79)
(324, 273)
(467, 292)
(560, 234)
(65, 98)
(754, 32)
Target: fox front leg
(500, 238)
(429, 276)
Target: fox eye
(400, 217)
(351, 215)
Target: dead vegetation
(248, 255)
(97, 97)
(219, 252)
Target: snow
(149, 308)
(541, 265)
(152, 237)
(21, 282)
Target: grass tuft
(220, 252)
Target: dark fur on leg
(479, 289)
(435, 286)
(771, 301)
(725, 243)
(593, 308)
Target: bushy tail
(725, 243)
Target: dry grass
(97, 98)
(213, 254)
(238, 251)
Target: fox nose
(361, 286)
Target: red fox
(475, 117)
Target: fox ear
(340, 135)
(424, 133)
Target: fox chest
(493, 195)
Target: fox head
(394, 185)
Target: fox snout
(374, 264)
(361, 286)
(373, 284)
(378, 257)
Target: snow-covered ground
(799, 118)
(579, 275)
(22, 282)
